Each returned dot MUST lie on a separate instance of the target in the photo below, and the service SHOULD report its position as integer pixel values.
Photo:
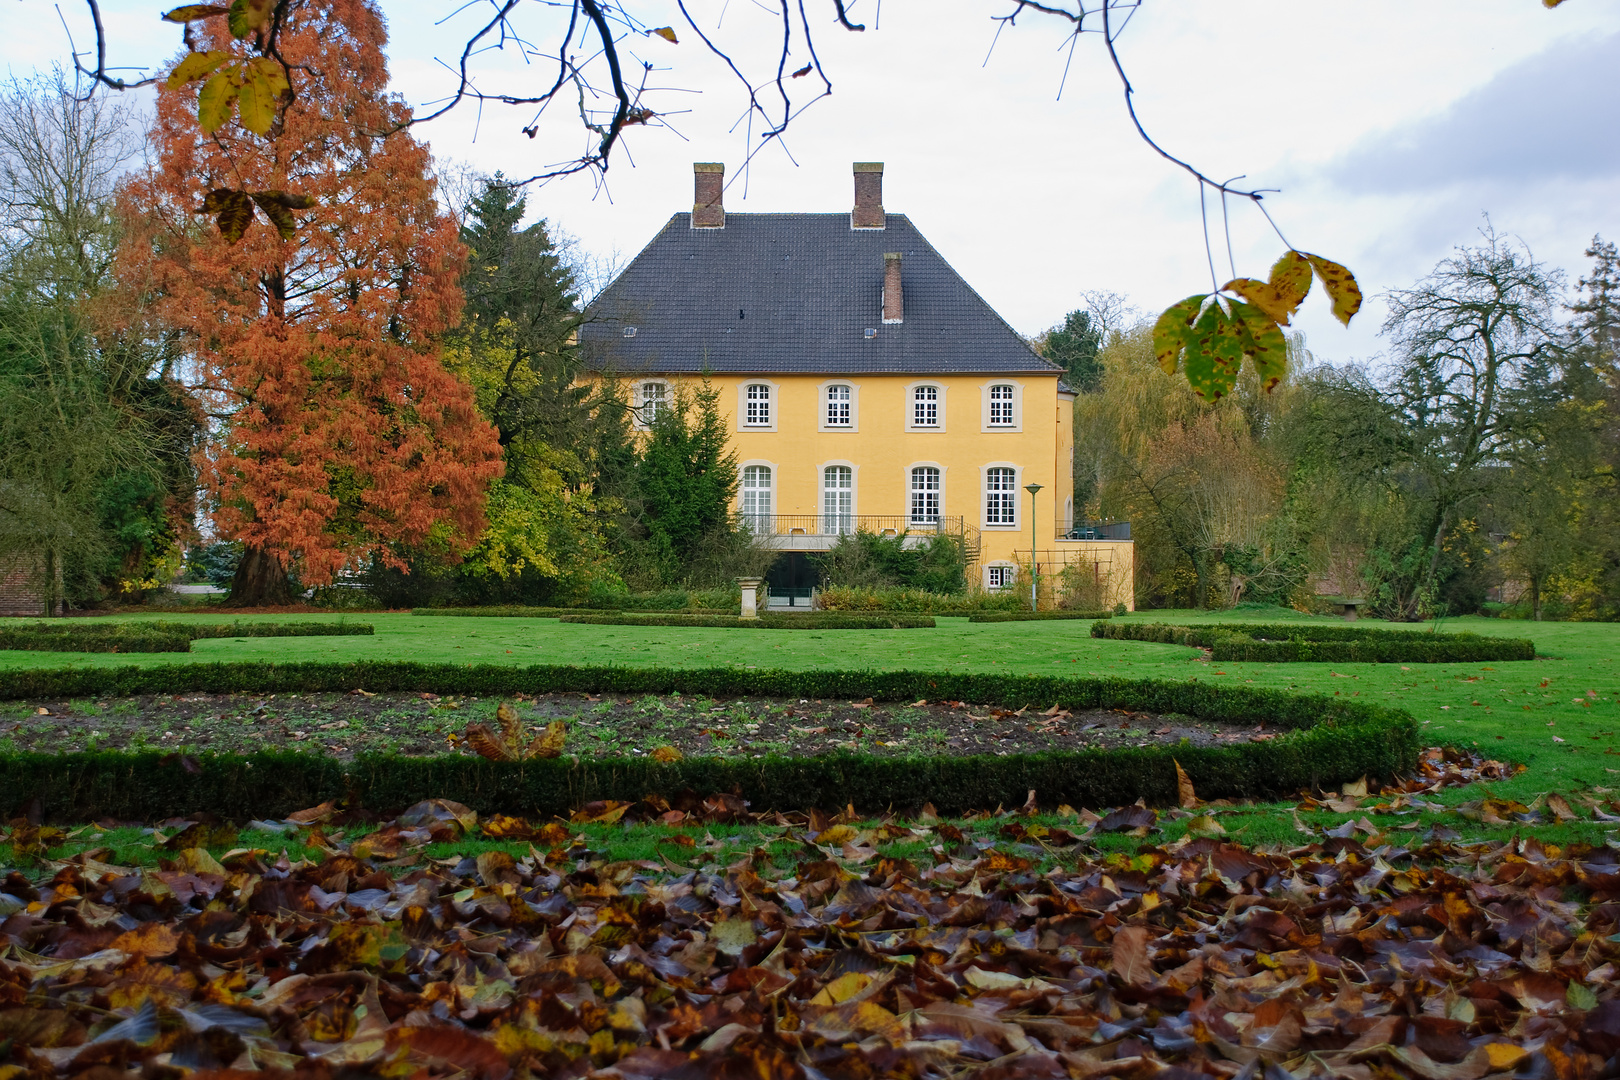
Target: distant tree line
(1476, 470)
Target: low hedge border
(1286, 643)
(158, 637)
(519, 612)
(1329, 741)
(814, 620)
(1037, 616)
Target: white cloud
(1549, 117)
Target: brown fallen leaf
(1185, 794)
(1130, 953)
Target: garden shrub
(1036, 616)
(829, 620)
(1323, 742)
(932, 563)
(918, 601)
(519, 612)
(1308, 643)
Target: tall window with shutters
(1001, 496)
(925, 500)
(756, 498)
(837, 500)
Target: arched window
(1000, 496)
(1001, 405)
(838, 405)
(925, 406)
(756, 497)
(1000, 576)
(654, 400)
(758, 412)
(837, 499)
(925, 495)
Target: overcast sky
(1389, 126)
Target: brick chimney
(708, 191)
(894, 307)
(868, 212)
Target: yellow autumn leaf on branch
(196, 66)
(215, 101)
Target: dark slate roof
(795, 293)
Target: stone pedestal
(750, 596)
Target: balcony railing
(1096, 530)
(821, 531)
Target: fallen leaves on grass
(1201, 958)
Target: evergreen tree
(1596, 582)
(1074, 346)
(1599, 307)
(516, 342)
(560, 511)
(687, 479)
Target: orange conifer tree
(313, 336)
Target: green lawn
(1557, 714)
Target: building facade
(865, 385)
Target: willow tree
(312, 311)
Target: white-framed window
(925, 406)
(757, 405)
(926, 491)
(1001, 496)
(837, 499)
(1001, 405)
(838, 410)
(839, 406)
(652, 398)
(1000, 576)
(756, 497)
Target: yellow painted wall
(882, 450)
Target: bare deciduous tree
(1465, 337)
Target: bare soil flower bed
(600, 725)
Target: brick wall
(19, 587)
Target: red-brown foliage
(343, 433)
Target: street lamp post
(1034, 553)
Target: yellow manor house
(865, 385)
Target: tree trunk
(260, 581)
(1535, 596)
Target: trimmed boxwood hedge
(513, 611)
(1327, 741)
(1037, 616)
(156, 637)
(138, 641)
(817, 620)
(1291, 643)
